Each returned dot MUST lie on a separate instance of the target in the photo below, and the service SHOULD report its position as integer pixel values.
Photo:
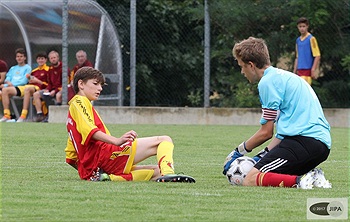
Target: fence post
(64, 52)
(206, 54)
(132, 52)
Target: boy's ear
(80, 84)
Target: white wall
(178, 115)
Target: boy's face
(41, 61)
(91, 89)
(20, 58)
(248, 70)
(54, 59)
(302, 27)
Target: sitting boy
(99, 156)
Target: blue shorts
(295, 155)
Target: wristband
(242, 149)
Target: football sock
(24, 113)
(7, 113)
(275, 180)
(165, 157)
(116, 178)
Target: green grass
(37, 185)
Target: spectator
(307, 53)
(17, 76)
(97, 155)
(82, 61)
(3, 71)
(37, 81)
(49, 93)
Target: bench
(17, 100)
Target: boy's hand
(131, 135)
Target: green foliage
(37, 185)
(169, 51)
(195, 98)
(346, 63)
(276, 23)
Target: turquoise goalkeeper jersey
(300, 112)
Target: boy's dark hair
(41, 55)
(85, 73)
(303, 20)
(21, 51)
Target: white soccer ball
(239, 169)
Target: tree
(275, 21)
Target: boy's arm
(296, 60)
(317, 57)
(101, 136)
(314, 68)
(262, 135)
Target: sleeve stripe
(269, 114)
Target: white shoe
(20, 120)
(320, 180)
(4, 119)
(306, 181)
(11, 121)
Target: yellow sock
(7, 113)
(142, 175)
(165, 157)
(116, 178)
(24, 113)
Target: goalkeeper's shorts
(295, 155)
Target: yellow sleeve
(314, 47)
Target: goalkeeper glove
(261, 154)
(236, 153)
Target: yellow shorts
(308, 79)
(22, 88)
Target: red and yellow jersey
(82, 122)
(41, 73)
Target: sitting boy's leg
(166, 165)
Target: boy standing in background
(307, 53)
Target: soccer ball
(239, 169)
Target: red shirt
(41, 74)
(3, 66)
(76, 67)
(55, 78)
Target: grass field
(37, 185)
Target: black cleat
(176, 178)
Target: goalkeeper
(97, 155)
(302, 139)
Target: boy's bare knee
(165, 138)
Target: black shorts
(295, 155)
